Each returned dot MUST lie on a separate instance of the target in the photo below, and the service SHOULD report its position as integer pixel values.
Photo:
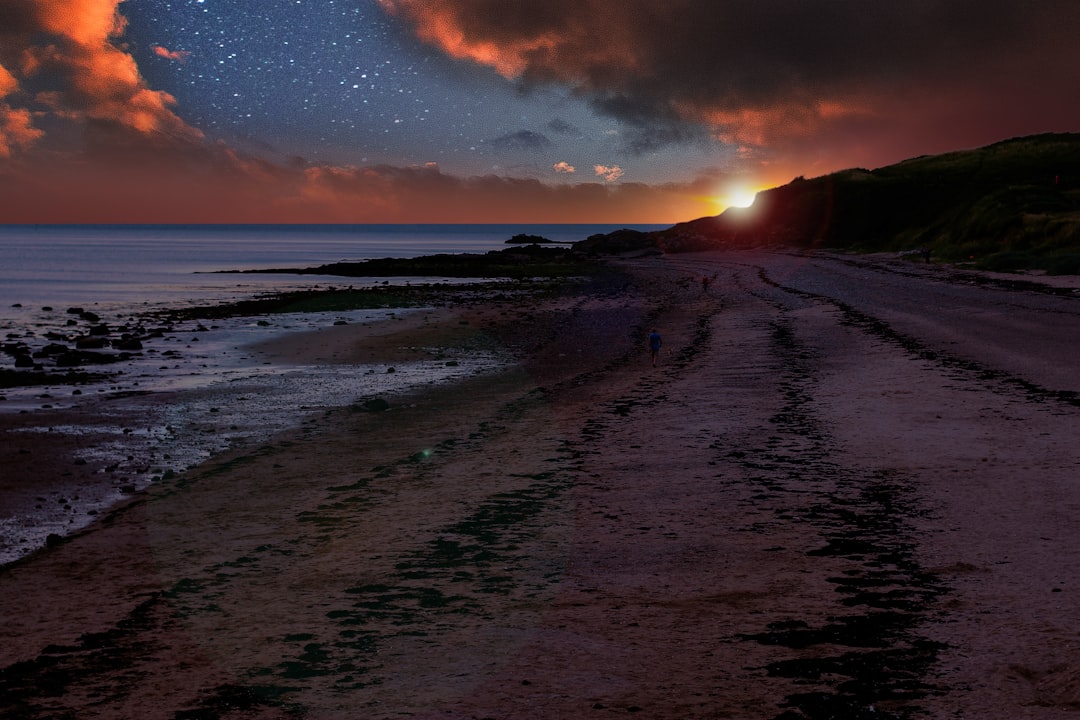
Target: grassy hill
(1011, 205)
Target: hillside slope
(1010, 205)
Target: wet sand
(848, 490)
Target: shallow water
(211, 393)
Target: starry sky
(614, 111)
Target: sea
(136, 265)
(220, 394)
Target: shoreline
(118, 443)
(74, 452)
(125, 442)
(810, 506)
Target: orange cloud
(766, 126)
(8, 83)
(176, 55)
(540, 39)
(16, 130)
(77, 73)
(564, 167)
(16, 124)
(609, 173)
(89, 23)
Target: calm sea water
(119, 266)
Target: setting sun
(735, 197)
(741, 198)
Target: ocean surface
(218, 393)
(136, 265)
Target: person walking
(655, 342)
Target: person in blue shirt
(654, 345)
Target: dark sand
(849, 490)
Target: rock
(375, 405)
(91, 343)
(50, 350)
(75, 358)
(127, 344)
(524, 239)
(617, 243)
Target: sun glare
(741, 198)
(735, 197)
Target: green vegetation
(1008, 206)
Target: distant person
(705, 280)
(654, 345)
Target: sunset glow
(408, 111)
(741, 198)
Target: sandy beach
(848, 489)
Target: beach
(847, 489)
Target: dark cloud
(526, 140)
(779, 72)
(560, 126)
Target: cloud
(180, 56)
(17, 129)
(609, 173)
(219, 185)
(64, 56)
(85, 139)
(526, 140)
(558, 125)
(564, 167)
(8, 83)
(805, 78)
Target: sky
(442, 111)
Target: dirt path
(831, 499)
